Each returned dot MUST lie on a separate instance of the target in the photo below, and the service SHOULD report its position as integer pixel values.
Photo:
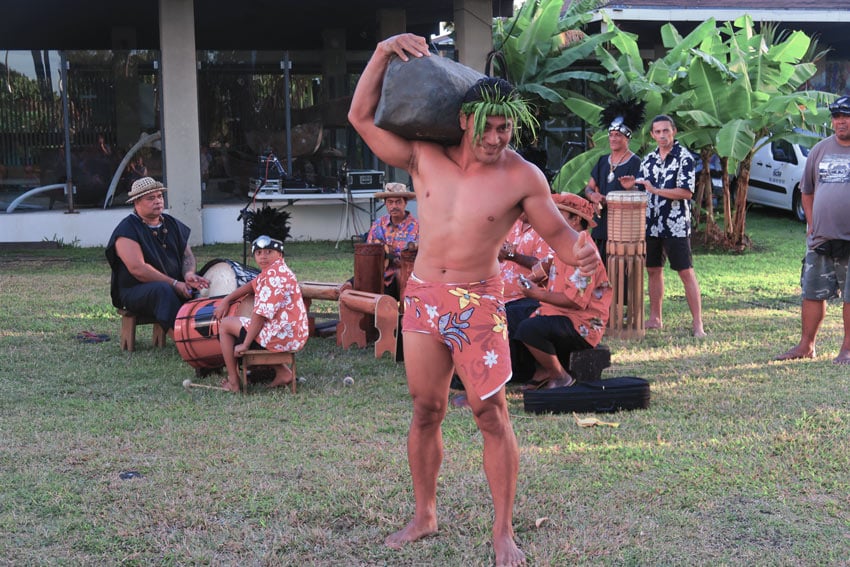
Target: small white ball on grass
(187, 383)
(348, 380)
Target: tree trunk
(739, 225)
(727, 195)
(707, 188)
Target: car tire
(797, 206)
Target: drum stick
(188, 384)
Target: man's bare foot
(699, 332)
(842, 358)
(795, 353)
(654, 324)
(230, 385)
(507, 553)
(282, 377)
(411, 532)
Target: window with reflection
(112, 113)
(254, 130)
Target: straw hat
(143, 186)
(572, 203)
(395, 190)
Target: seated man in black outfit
(153, 268)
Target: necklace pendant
(610, 177)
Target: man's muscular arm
(390, 148)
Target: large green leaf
(696, 139)
(542, 91)
(708, 86)
(802, 73)
(535, 40)
(574, 174)
(584, 109)
(791, 50)
(701, 118)
(679, 51)
(735, 140)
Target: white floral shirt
(666, 218)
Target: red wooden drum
(196, 332)
(369, 267)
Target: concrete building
(201, 91)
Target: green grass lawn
(738, 461)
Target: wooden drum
(225, 276)
(626, 248)
(626, 216)
(196, 332)
(369, 267)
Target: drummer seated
(398, 230)
(278, 321)
(153, 267)
(573, 308)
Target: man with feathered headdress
(621, 118)
(468, 196)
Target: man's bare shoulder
(526, 172)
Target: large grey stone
(420, 98)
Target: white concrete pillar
(474, 32)
(180, 137)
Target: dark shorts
(678, 250)
(254, 344)
(825, 278)
(553, 334)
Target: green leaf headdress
(492, 96)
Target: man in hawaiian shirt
(398, 230)
(668, 175)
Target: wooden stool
(356, 309)
(129, 320)
(265, 358)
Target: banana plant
(541, 47)
(630, 77)
(727, 86)
(767, 67)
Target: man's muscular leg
(429, 371)
(501, 465)
(656, 298)
(844, 354)
(813, 313)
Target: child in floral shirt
(278, 321)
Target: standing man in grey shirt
(826, 200)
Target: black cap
(840, 106)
